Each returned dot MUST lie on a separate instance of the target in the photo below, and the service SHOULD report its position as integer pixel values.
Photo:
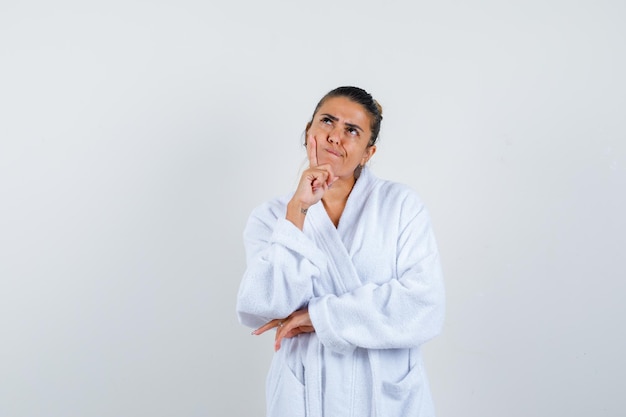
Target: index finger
(269, 325)
(311, 149)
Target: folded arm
(404, 312)
(281, 264)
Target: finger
(331, 179)
(286, 333)
(299, 330)
(278, 329)
(298, 322)
(285, 328)
(292, 326)
(267, 326)
(320, 188)
(319, 178)
(311, 148)
(279, 337)
(326, 181)
(329, 176)
(316, 184)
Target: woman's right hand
(314, 183)
(297, 323)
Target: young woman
(346, 270)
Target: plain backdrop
(137, 136)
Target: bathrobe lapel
(342, 276)
(336, 242)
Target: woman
(346, 270)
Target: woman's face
(341, 129)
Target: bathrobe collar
(334, 240)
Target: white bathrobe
(375, 294)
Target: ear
(369, 152)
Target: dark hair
(362, 97)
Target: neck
(339, 191)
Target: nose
(334, 135)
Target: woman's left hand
(298, 322)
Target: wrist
(297, 207)
(296, 213)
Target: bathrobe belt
(313, 379)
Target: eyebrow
(334, 119)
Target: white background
(136, 137)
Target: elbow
(250, 320)
(437, 318)
(252, 314)
(256, 314)
(427, 325)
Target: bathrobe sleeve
(403, 312)
(281, 264)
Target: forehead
(346, 110)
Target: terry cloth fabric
(374, 289)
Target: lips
(333, 152)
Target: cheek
(319, 132)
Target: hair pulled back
(362, 97)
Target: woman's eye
(326, 120)
(352, 131)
